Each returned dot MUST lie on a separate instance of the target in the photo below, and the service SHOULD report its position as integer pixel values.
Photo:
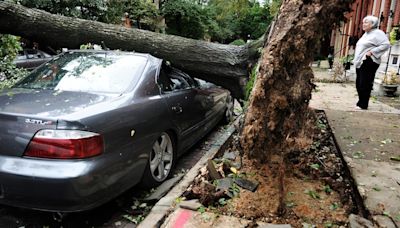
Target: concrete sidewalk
(368, 140)
(343, 97)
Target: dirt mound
(316, 189)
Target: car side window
(33, 54)
(187, 78)
(21, 55)
(171, 79)
(164, 81)
(178, 82)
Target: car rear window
(87, 72)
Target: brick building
(344, 37)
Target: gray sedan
(31, 58)
(88, 125)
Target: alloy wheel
(161, 158)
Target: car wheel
(229, 110)
(161, 161)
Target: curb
(356, 194)
(166, 205)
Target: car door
(185, 110)
(34, 58)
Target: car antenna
(103, 45)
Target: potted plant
(390, 83)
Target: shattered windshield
(87, 72)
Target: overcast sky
(261, 1)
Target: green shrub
(9, 73)
(346, 59)
(393, 37)
(238, 42)
(250, 83)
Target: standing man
(126, 21)
(367, 57)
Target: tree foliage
(274, 7)
(217, 20)
(9, 73)
(108, 11)
(185, 18)
(239, 19)
(86, 9)
(140, 11)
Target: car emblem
(39, 122)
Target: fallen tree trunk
(225, 65)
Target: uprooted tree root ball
(316, 189)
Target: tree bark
(278, 116)
(225, 65)
(278, 120)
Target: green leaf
(358, 154)
(348, 137)
(222, 201)
(376, 189)
(134, 219)
(334, 206)
(234, 170)
(307, 225)
(315, 166)
(290, 204)
(327, 189)
(397, 158)
(179, 199)
(313, 194)
(201, 209)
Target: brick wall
(396, 19)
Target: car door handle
(177, 109)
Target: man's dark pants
(364, 81)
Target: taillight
(63, 144)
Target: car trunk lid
(23, 112)
(16, 132)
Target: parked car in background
(88, 125)
(31, 58)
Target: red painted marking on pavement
(182, 219)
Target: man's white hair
(371, 19)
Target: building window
(395, 59)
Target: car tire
(229, 114)
(161, 161)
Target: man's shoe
(358, 108)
